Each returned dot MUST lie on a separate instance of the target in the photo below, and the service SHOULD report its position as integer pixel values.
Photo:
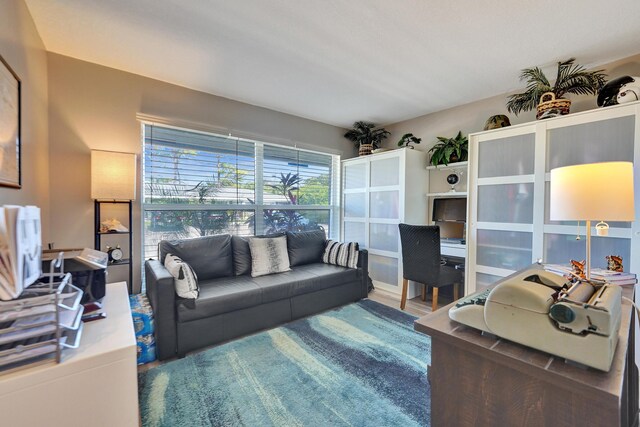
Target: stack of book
(613, 277)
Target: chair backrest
(420, 252)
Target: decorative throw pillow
(268, 255)
(343, 254)
(185, 279)
(242, 252)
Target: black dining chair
(421, 262)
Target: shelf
(100, 236)
(448, 194)
(450, 166)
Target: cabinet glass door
(597, 141)
(561, 248)
(506, 203)
(384, 204)
(354, 232)
(383, 269)
(355, 176)
(385, 172)
(383, 237)
(504, 206)
(611, 139)
(508, 250)
(355, 205)
(506, 156)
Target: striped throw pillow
(343, 254)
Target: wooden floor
(414, 306)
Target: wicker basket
(365, 149)
(549, 102)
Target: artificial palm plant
(570, 78)
(365, 133)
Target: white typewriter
(540, 309)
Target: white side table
(96, 384)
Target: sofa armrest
(363, 265)
(162, 296)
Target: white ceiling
(337, 61)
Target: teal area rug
(358, 365)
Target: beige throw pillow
(268, 255)
(184, 278)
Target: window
(199, 184)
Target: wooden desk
(477, 380)
(95, 385)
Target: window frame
(258, 207)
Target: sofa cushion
(268, 255)
(279, 286)
(210, 256)
(305, 247)
(326, 276)
(219, 296)
(241, 255)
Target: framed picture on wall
(10, 175)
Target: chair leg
(434, 302)
(456, 291)
(403, 300)
(424, 292)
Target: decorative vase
(549, 106)
(365, 149)
(496, 122)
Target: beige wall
(95, 107)
(471, 117)
(22, 48)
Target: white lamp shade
(594, 192)
(113, 175)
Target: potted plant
(407, 139)
(450, 150)
(548, 99)
(366, 137)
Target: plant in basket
(366, 137)
(547, 99)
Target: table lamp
(113, 175)
(596, 191)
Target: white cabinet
(96, 384)
(380, 191)
(509, 192)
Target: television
(450, 209)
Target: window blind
(198, 184)
(296, 177)
(183, 167)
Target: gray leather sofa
(231, 302)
